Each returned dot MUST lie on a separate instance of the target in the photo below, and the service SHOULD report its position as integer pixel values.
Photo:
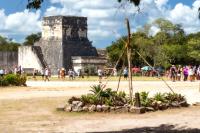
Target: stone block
(112, 109)
(86, 108)
(121, 109)
(92, 108)
(68, 108)
(61, 108)
(149, 109)
(99, 108)
(105, 108)
(137, 110)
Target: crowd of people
(184, 73)
(175, 73)
(15, 70)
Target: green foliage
(172, 97)
(169, 46)
(106, 96)
(73, 99)
(34, 4)
(162, 100)
(145, 100)
(31, 39)
(135, 2)
(3, 82)
(12, 79)
(8, 45)
(159, 97)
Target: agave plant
(159, 97)
(172, 97)
(145, 100)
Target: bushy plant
(145, 100)
(3, 82)
(102, 96)
(159, 97)
(172, 97)
(12, 79)
(73, 99)
(89, 99)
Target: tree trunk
(129, 51)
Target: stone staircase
(38, 51)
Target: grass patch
(95, 78)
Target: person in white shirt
(46, 74)
(100, 74)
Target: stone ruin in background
(63, 37)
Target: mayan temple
(63, 37)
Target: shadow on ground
(159, 129)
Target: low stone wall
(27, 58)
(8, 59)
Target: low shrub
(73, 99)
(160, 97)
(12, 79)
(102, 96)
(145, 100)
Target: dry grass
(95, 78)
(40, 115)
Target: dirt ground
(33, 109)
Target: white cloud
(105, 18)
(186, 16)
(20, 23)
(161, 3)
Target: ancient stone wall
(28, 58)
(52, 51)
(8, 59)
(52, 28)
(63, 37)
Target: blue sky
(105, 17)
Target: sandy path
(37, 112)
(38, 89)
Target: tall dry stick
(129, 51)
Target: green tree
(31, 39)
(7, 45)
(193, 46)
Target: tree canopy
(169, 46)
(31, 39)
(7, 44)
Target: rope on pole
(155, 71)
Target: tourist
(81, 74)
(198, 73)
(179, 71)
(49, 72)
(87, 72)
(1, 72)
(115, 72)
(71, 74)
(191, 73)
(62, 73)
(46, 74)
(34, 74)
(100, 74)
(19, 70)
(15, 70)
(173, 73)
(125, 73)
(42, 73)
(59, 73)
(185, 73)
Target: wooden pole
(129, 51)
